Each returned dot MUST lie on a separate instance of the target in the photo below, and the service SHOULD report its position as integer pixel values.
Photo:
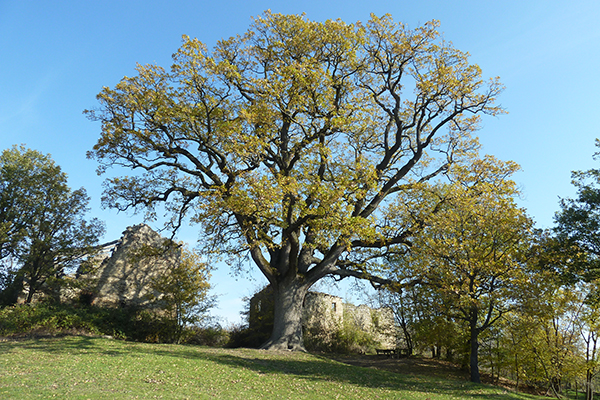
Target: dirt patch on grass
(426, 366)
(412, 365)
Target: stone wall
(325, 313)
(328, 312)
(379, 322)
(322, 311)
(128, 266)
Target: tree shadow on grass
(314, 368)
(321, 368)
(57, 344)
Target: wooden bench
(393, 352)
(386, 352)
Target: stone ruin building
(126, 271)
(122, 273)
(326, 312)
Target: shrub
(45, 319)
(58, 319)
(346, 338)
(245, 336)
(213, 336)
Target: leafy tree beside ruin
(294, 144)
(42, 224)
(182, 292)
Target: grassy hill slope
(96, 368)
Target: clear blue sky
(55, 56)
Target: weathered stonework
(325, 313)
(125, 274)
(322, 311)
(379, 322)
(328, 313)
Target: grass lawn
(95, 368)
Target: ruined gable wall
(124, 278)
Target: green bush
(57, 319)
(244, 336)
(45, 319)
(213, 336)
(351, 340)
(347, 338)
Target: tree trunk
(589, 388)
(474, 357)
(288, 300)
(517, 372)
(31, 291)
(407, 335)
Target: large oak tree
(293, 143)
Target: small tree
(42, 225)
(577, 234)
(470, 248)
(183, 292)
(556, 343)
(423, 321)
(589, 331)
